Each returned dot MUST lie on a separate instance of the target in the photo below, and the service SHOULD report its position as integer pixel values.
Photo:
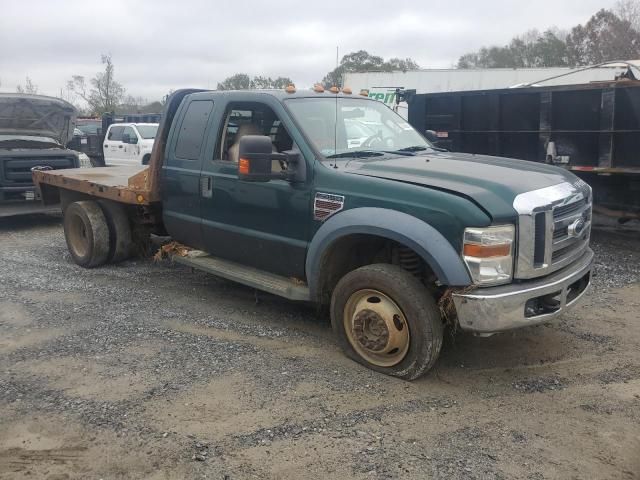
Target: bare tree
(629, 10)
(104, 93)
(604, 37)
(29, 87)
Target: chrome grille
(18, 169)
(554, 226)
(569, 241)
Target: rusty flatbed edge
(122, 184)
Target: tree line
(607, 35)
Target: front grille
(554, 226)
(18, 169)
(560, 232)
(568, 240)
(569, 209)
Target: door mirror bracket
(255, 160)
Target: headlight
(84, 160)
(488, 253)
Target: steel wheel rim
(376, 328)
(78, 235)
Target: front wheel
(386, 319)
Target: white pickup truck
(129, 143)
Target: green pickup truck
(332, 198)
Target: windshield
(147, 131)
(362, 126)
(89, 128)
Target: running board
(251, 277)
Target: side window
(249, 118)
(191, 134)
(115, 134)
(129, 131)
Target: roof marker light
(318, 88)
(334, 89)
(291, 88)
(364, 92)
(347, 91)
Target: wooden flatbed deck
(125, 184)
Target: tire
(87, 233)
(387, 295)
(120, 240)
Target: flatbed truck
(395, 237)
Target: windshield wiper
(416, 148)
(357, 154)
(421, 148)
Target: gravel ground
(150, 370)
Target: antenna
(335, 130)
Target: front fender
(410, 231)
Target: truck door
(130, 150)
(113, 144)
(181, 190)
(260, 224)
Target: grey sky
(160, 45)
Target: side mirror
(133, 140)
(255, 157)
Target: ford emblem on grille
(577, 227)
(41, 168)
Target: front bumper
(517, 305)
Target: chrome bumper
(496, 309)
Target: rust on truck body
(122, 184)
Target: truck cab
(395, 237)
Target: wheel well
(67, 197)
(357, 250)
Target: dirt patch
(27, 338)
(14, 315)
(149, 371)
(56, 448)
(89, 378)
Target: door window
(129, 131)
(251, 118)
(191, 134)
(115, 134)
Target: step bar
(249, 276)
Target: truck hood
(37, 116)
(490, 182)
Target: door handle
(119, 146)
(206, 186)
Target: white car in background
(129, 143)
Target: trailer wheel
(120, 242)
(87, 233)
(385, 319)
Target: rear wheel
(120, 242)
(386, 319)
(87, 233)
